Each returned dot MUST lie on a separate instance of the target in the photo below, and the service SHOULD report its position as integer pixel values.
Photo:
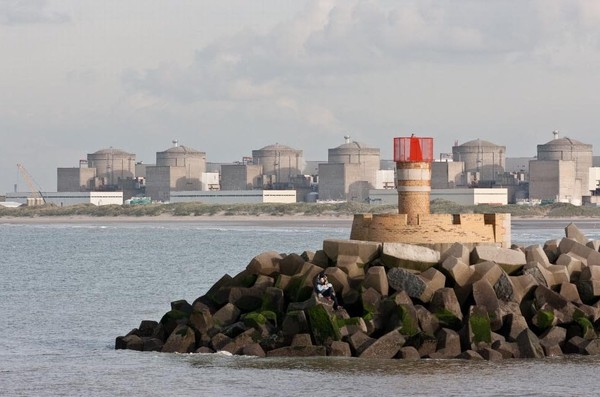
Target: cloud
(309, 68)
(24, 12)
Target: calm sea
(67, 290)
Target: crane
(36, 193)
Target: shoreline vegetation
(275, 210)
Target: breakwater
(399, 301)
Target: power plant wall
(568, 149)
(481, 156)
(280, 161)
(112, 164)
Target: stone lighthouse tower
(413, 223)
(413, 157)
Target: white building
(459, 196)
(71, 198)
(235, 196)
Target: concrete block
(301, 340)
(522, 286)
(226, 315)
(529, 345)
(560, 274)
(408, 353)
(181, 340)
(540, 272)
(386, 346)
(457, 270)
(434, 280)
(536, 253)
(594, 244)
(340, 349)
(428, 323)
(445, 305)
(515, 324)
(409, 256)
(551, 249)
(351, 268)
(588, 255)
(364, 251)
(509, 260)
(266, 263)
(572, 263)
(448, 342)
(569, 292)
(572, 232)
(485, 298)
(376, 278)
(457, 250)
(292, 263)
(488, 271)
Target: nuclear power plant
(475, 172)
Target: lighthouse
(413, 156)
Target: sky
(230, 76)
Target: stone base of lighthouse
(437, 231)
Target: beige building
(179, 168)
(554, 181)
(280, 164)
(447, 174)
(241, 176)
(75, 179)
(350, 172)
(481, 158)
(113, 167)
(561, 172)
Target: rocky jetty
(399, 301)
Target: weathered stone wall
(433, 229)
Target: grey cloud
(23, 12)
(325, 45)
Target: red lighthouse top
(413, 149)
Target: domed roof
(354, 145)
(113, 151)
(181, 149)
(566, 141)
(277, 146)
(477, 143)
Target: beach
(265, 220)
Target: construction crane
(36, 193)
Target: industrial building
(280, 164)
(350, 172)
(464, 196)
(484, 161)
(69, 198)
(179, 168)
(107, 169)
(561, 171)
(235, 196)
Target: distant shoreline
(312, 220)
(329, 220)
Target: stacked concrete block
(398, 301)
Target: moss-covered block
(173, 315)
(322, 325)
(479, 324)
(545, 319)
(448, 319)
(254, 319)
(409, 320)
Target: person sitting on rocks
(325, 289)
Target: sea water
(68, 289)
